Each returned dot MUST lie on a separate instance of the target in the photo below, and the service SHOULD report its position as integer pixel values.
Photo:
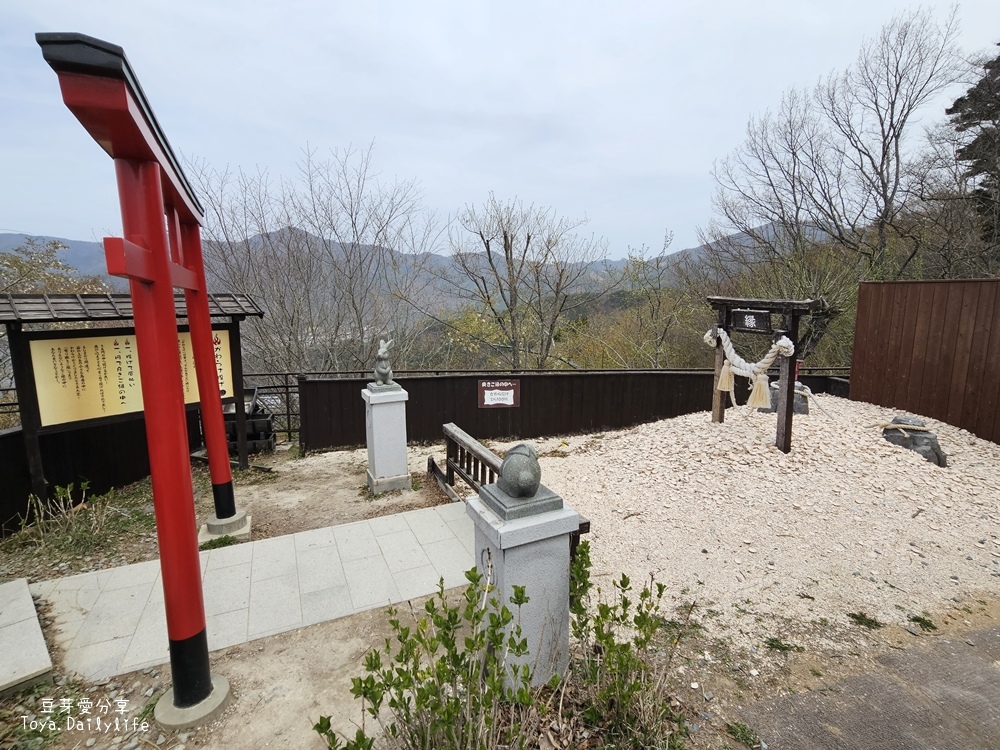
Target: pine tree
(977, 113)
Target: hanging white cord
(757, 372)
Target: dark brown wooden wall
(931, 348)
(333, 412)
(552, 403)
(106, 455)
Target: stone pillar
(525, 540)
(385, 426)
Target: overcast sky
(612, 111)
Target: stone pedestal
(530, 551)
(385, 425)
(238, 527)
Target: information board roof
(63, 308)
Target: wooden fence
(332, 415)
(931, 348)
(105, 455)
(552, 403)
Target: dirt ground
(321, 489)
(282, 684)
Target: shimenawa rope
(760, 397)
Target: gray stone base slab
(26, 659)
(510, 508)
(230, 525)
(209, 531)
(387, 484)
(168, 716)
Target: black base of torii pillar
(754, 316)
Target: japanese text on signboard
(87, 377)
(499, 393)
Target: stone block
(385, 432)
(921, 441)
(532, 552)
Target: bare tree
(816, 197)
(645, 323)
(524, 269)
(766, 187)
(871, 111)
(330, 255)
(766, 242)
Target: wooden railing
(476, 465)
(466, 457)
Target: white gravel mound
(722, 516)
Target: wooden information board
(87, 377)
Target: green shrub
(625, 695)
(450, 679)
(445, 681)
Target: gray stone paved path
(110, 622)
(25, 655)
(943, 693)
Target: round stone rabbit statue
(383, 370)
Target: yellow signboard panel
(98, 376)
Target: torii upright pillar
(161, 250)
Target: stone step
(26, 659)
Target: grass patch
(14, 734)
(923, 622)
(369, 496)
(73, 524)
(147, 711)
(776, 644)
(743, 734)
(221, 541)
(252, 476)
(554, 453)
(865, 620)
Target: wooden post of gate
(786, 385)
(160, 250)
(754, 316)
(719, 397)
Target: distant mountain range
(85, 257)
(88, 257)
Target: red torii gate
(160, 250)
